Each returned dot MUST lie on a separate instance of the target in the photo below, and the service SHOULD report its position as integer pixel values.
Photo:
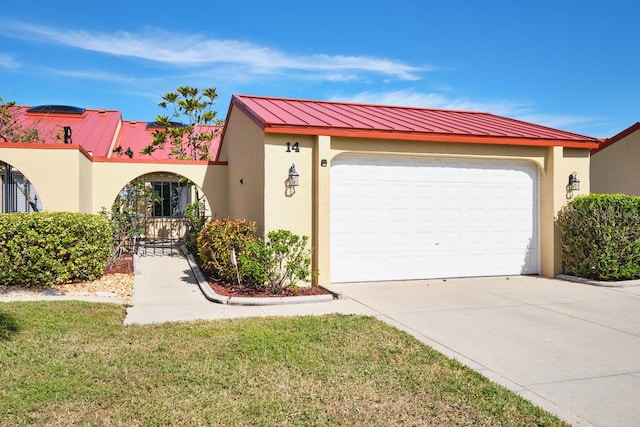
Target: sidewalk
(166, 290)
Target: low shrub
(601, 237)
(216, 241)
(277, 262)
(42, 249)
(274, 263)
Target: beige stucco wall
(244, 149)
(110, 177)
(560, 163)
(55, 173)
(286, 207)
(307, 211)
(67, 180)
(614, 169)
(85, 183)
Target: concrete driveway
(571, 348)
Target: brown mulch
(235, 290)
(242, 290)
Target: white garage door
(399, 218)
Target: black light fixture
(574, 182)
(293, 176)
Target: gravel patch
(110, 285)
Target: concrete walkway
(570, 348)
(165, 290)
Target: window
(174, 197)
(17, 194)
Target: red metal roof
(95, 131)
(617, 137)
(283, 115)
(135, 135)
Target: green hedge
(601, 237)
(42, 249)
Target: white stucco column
(321, 248)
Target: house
(385, 193)
(613, 168)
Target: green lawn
(74, 363)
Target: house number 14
(295, 147)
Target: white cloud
(91, 75)
(189, 50)
(412, 98)
(7, 61)
(506, 108)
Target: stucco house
(613, 163)
(385, 193)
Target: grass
(74, 363)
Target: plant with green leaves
(128, 216)
(195, 213)
(47, 248)
(279, 261)
(10, 129)
(218, 239)
(601, 237)
(189, 128)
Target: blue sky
(568, 64)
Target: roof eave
(617, 137)
(432, 137)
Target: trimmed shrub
(216, 241)
(277, 262)
(42, 249)
(601, 237)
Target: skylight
(56, 109)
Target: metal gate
(18, 195)
(156, 212)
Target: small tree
(187, 129)
(10, 129)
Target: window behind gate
(173, 198)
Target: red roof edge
(236, 101)
(435, 137)
(617, 137)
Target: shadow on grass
(8, 326)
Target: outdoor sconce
(293, 176)
(574, 182)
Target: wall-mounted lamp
(293, 176)
(574, 182)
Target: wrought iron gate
(154, 208)
(18, 195)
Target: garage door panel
(437, 217)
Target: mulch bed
(235, 290)
(123, 265)
(242, 290)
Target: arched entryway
(17, 192)
(158, 211)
